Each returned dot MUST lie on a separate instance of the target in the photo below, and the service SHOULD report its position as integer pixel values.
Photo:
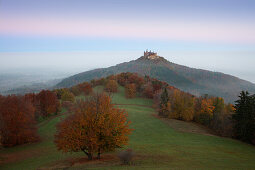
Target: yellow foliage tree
(67, 96)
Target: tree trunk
(98, 154)
(90, 156)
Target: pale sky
(79, 35)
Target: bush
(126, 156)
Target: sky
(79, 35)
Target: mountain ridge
(195, 81)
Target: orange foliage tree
(111, 86)
(17, 121)
(204, 110)
(129, 78)
(96, 127)
(148, 90)
(130, 90)
(86, 88)
(48, 103)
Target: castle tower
(150, 55)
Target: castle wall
(150, 55)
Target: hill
(195, 81)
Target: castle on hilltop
(150, 55)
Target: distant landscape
(20, 81)
(127, 84)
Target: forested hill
(194, 81)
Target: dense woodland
(194, 81)
(95, 125)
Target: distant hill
(194, 81)
(32, 88)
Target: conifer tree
(245, 117)
(164, 104)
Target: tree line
(225, 119)
(93, 125)
(19, 115)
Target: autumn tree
(148, 90)
(122, 79)
(98, 82)
(182, 106)
(157, 99)
(156, 85)
(221, 121)
(204, 110)
(218, 104)
(75, 90)
(67, 96)
(230, 108)
(130, 90)
(17, 121)
(48, 103)
(86, 88)
(64, 94)
(111, 86)
(59, 92)
(31, 97)
(96, 127)
(111, 77)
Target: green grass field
(156, 144)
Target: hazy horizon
(76, 62)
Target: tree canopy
(96, 127)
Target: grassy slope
(157, 145)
